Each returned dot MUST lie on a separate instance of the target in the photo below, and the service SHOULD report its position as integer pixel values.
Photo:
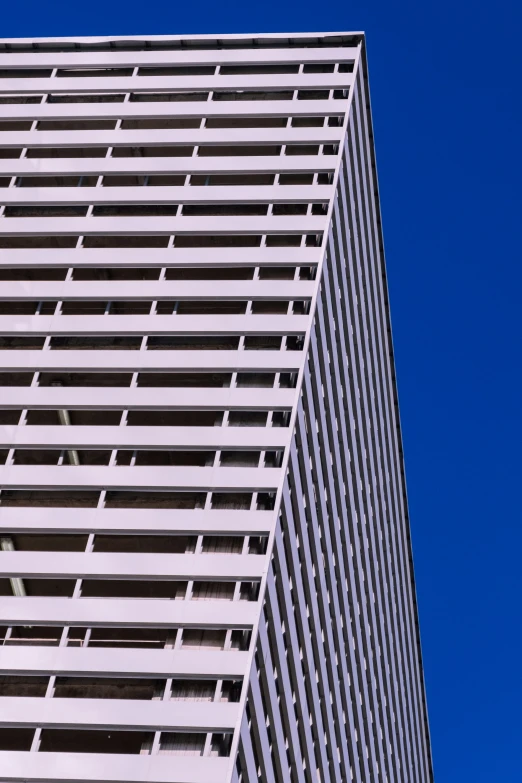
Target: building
(206, 573)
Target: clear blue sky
(446, 82)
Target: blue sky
(446, 83)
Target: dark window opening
(137, 180)
(125, 241)
(253, 95)
(108, 688)
(295, 343)
(247, 419)
(302, 149)
(34, 635)
(26, 273)
(213, 150)
(290, 209)
(246, 122)
(91, 73)
(27, 308)
(325, 178)
(232, 500)
(249, 591)
(223, 544)
(196, 210)
(16, 343)
(16, 378)
(173, 590)
(16, 739)
(258, 380)
(230, 690)
(28, 242)
(195, 639)
(175, 458)
(94, 741)
(209, 343)
(283, 240)
(182, 379)
(307, 122)
(312, 95)
(126, 638)
(66, 152)
(280, 419)
(161, 124)
(92, 343)
(116, 273)
(215, 307)
(269, 307)
(318, 68)
(197, 690)
(239, 459)
(180, 544)
(296, 179)
(134, 210)
(171, 97)
(172, 151)
(51, 588)
(277, 273)
(257, 545)
(48, 542)
(301, 308)
(241, 639)
(79, 418)
(84, 379)
(177, 70)
(212, 591)
(71, 125)
(165, 180)
(12, 99)
(173, 418)
(181, 744)
(319, 209)
(49, 498)
(88, 307)
(262, 69)
(25, 73)
(232, 179)
(87, 98)
(12, 685)
(210, 273)
(273, 459)
(10, 416)
(15, 125)
(130, 307)
(288, 380)
(10, 152)
(225, 240)
(264, 342)
(187, 500)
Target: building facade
(206, 571)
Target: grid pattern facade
(205, 566)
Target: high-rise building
(206, 571)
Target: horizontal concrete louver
(205, 567)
